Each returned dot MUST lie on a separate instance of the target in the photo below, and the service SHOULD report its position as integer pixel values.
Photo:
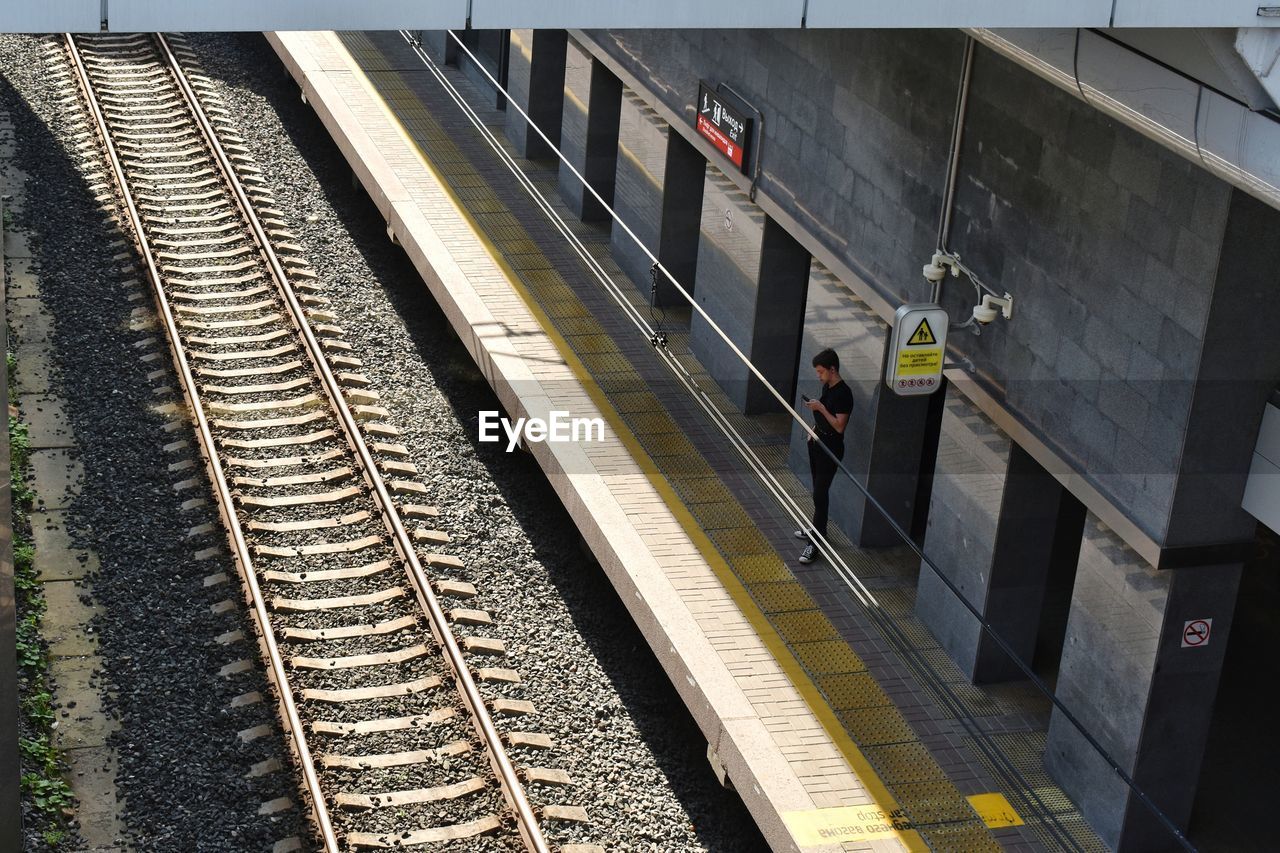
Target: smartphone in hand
(806, 398)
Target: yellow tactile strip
(743, 558)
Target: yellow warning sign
(917, 350)
(922, 335)
(919, 362)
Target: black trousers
(823, 468)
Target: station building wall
(1109, 243)
(1141, 286)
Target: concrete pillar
(1239, 365)
(489, 47)
(639, 186)
(1007, 562)
(658, 193)
(589, 136)
(681, 217)
(972, 461)
(1136, 683)
(899, 464)
(438, 45)
(535, 81)
(752, 282)
(779, 314)
(888, 439)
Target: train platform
(832, 740)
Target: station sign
(724, 126)
(917, 349)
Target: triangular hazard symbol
(922, 335)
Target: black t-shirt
(839, 401)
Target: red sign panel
(720, 141)
(724, 126)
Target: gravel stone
(182, 768)
(637, 759)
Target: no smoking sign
(1195, 633)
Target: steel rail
(217, 475)
(508, 778)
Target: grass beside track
(46, 796)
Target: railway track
(405, 723)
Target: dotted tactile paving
(761, 568)
(716, 515)
(741, 542)
(961, 837)
(903, 762)
(825, 656)
(852, 690)
(934, 802)
(872, 726)
(699, 490)
(781, 597)
(803, 626)
(653, 423)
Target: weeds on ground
(43, 788)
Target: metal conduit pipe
(1238, 145)
(953, 160)
(944, 259)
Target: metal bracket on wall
(757, 143)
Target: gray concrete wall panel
(681, 217)
(856, 124)
(519, 73)
(1238, 373)
(729, 250)
(1112, 637)
(779, 316)
(573, 128)
(637, 194)
(1111, 242)
(535, 81)
(591, 112)
(1127, 677)
(968, 484)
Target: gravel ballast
(183, 769)
(637, 760)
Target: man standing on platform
(830, 415)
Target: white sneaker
(802, 534)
